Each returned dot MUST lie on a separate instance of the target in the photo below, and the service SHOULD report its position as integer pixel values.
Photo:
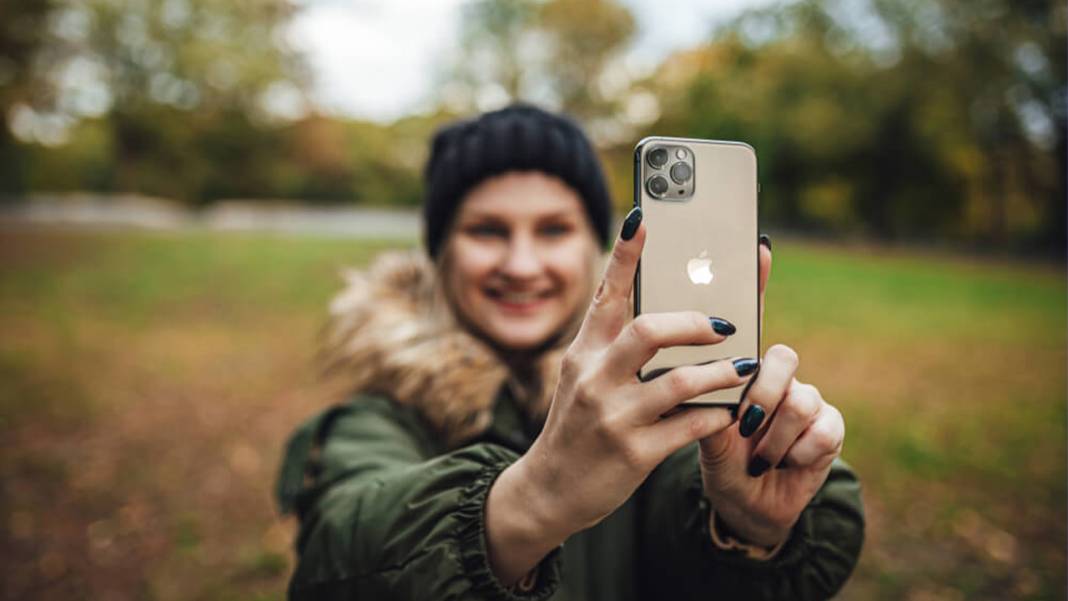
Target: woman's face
(519, 258)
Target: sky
(375, 59)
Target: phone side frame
(637, 202)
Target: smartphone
(699, 206)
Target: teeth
(517, 297)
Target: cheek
(471, 265)
(570, 269)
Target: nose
(522, 260)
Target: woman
(500, 445)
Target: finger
(794, 415)
(770, 387)
(680, 429)
(820, 443)
(610, 306)
(650, 332)
(657, 397)
(764, 260)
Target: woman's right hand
(604, 432)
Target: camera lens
(657, 185)
(657, 157)
(681, 172)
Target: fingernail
(746, 366)
(765, 240)
(722, 326)
(751, 420)
(757, 466)
(631, 223)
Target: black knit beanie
(520, 137)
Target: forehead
(521, 195)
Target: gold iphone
(699, 206)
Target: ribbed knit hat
(520, 137)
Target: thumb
(716, 448)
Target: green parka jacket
(391, 490)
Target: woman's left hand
(783, 421)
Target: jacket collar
(391, 332)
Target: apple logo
(700, 269)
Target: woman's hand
(604, 432)
(783, 422)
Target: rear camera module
(657, 157)
(657, 185)
(681, 173)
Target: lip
(524, 308)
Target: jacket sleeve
(680, 561)
(385, 517)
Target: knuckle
(784, 354)
(632, 457)
(570, 366)
(802, 407)
(839, 420)
(606, 428)
(586, 392)
(598, 294)
(631, 454)
(680, 384)
(825, 440)
(697, 425)
(698, 321)
(810, 391)
(643, 329)
(621, 253)
(614, 434)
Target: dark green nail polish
(746, 366)
(757, 466)
(751, 421)
(631, 223)
(721, 326)
(765, 240)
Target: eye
(553, 230)
(486, 230)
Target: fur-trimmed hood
(391, 332)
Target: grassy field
(150, 380)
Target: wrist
(519, 528)
(725, 538)
(538, 500)
(746, 531)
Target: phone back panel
(701, 253)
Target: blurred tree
(553, 52)
(22, 32)
(919, 119)
(491, 62)
(188, 87)
(584, 38)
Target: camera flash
(680, 153)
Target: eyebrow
(485, 216)
(557, 215)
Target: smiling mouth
(518, 300)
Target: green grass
(150, 380)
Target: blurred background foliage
(895, 119)
(150, 378)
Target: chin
(519, 336)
